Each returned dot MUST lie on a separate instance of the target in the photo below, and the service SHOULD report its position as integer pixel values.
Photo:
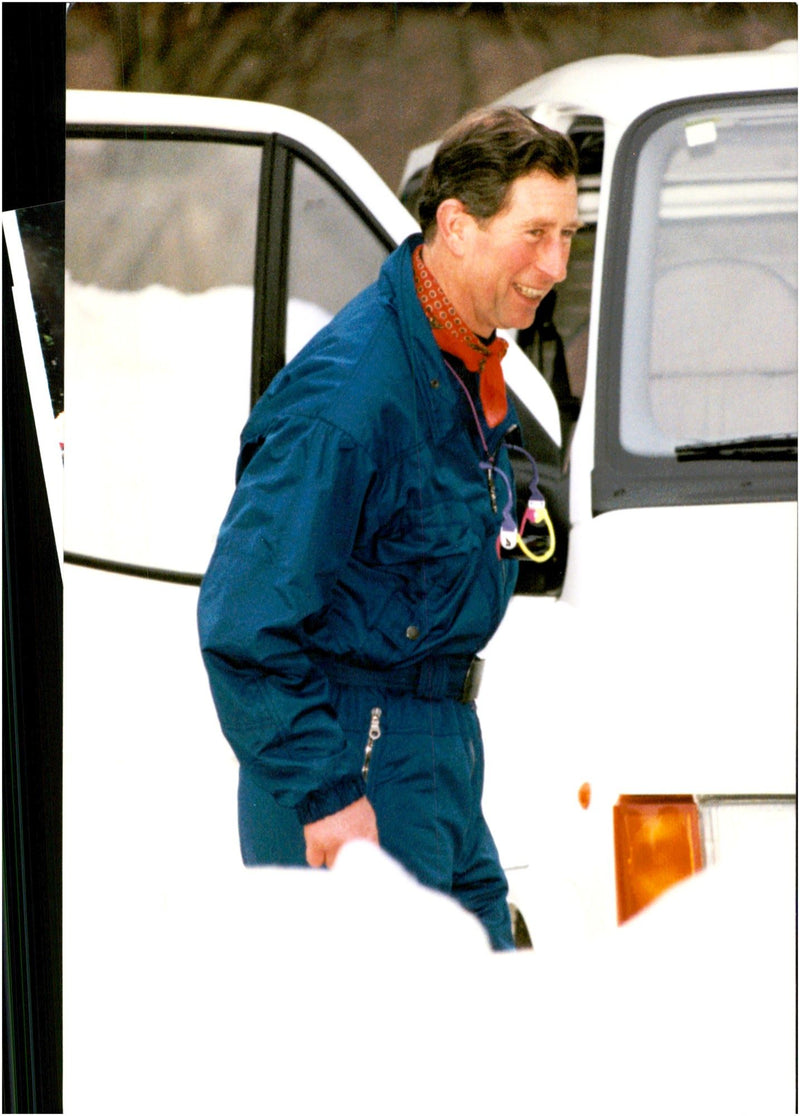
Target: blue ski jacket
(361, 530)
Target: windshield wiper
(776, 447)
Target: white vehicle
(655, 722)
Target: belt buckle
(472, 681)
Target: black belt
(436, 678)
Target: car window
(160, 249)
(709, 350)
(333, 254)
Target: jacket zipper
(372, 736)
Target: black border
(34, 78)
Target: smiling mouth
(532, 293)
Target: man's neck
(444, 265)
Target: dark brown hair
(483, 154)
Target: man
(356, 575)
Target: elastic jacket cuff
(330, 799)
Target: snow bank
(157, 392)
(356, 990)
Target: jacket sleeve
(289, 530)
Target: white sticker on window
(701, 132)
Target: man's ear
(453, 225)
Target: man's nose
(552, 259)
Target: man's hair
(483, 154)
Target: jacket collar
(435, 386)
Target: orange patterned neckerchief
(453, 336)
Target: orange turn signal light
(657, 842)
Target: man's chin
(521, 321)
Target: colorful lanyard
(536, 512)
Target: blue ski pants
(425, 782)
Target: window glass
(159, 262)
(710, 319)
(333, 254)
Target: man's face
(513, 259)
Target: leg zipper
(372, 736)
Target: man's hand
(325, 837)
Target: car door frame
(273, 223)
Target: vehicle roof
(620, 87)
(93, 106)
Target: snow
(357, 990)
(158, 390)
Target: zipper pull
(372, 736)
(492, 489)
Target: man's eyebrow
(548, 223)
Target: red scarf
(453, 336)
